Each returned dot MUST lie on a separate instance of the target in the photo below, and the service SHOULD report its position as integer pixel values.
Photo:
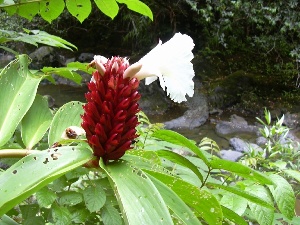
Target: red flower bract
(109, 118)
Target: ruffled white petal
(171, 63)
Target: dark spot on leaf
(48, 151)
(73, 149)
(54, 156)
(34, 158)
(56, 149)
(79, 5)
(15, 171)
(47, 3)
(46, 161)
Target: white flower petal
(171, 63)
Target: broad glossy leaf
(36, 170)
(251, 197)
(6, 220)
(176, 204)
(178, 139)
(94, 197)
(176, 158)
(202, 201)
(66, 72)
(283, 194)
(70, 198)
(235, 203)
(36, 122)
(67, 115)
(80, 9)
(50, 10)
(17, 92)
(45, 197)
(110, 215)
(293, 173)
(264, 215)
(239, 169)
(61, 215)
(28, 10)
(139, 200)
(108, 7)
(232, 216)
(138, 6)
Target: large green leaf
(67, 115)
(264, 215)
(283, 194)
(178, 139)
(232, 216)
(138, 6)
(36, 122)
(239, 169)
(94, 197)
(36, 170)
(175, 203)
(202, 201)
(139, 200)
(235, 203)
(28, 10)
(80, 9)
(293, 173)
(247, 195)
(108, 7)
(66, 72)
(50, 10)
(17, 92)
(176, 158)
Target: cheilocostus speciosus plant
(109, 118)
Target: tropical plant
(74, 180)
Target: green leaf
(110, 215)
(79, 216)
(66, 72)
(264, 215)
(138, 7)
(138, 198)
(80, 9)
(34, 171)
(283, 194)
(108, 7)
(239, 169)
(45, 197)
(36, 122)
(94, 197)
(28, 10)
(67, 115)
(235, 203)
(178, 139)
(176, 158)
(70, 198)
(251, 197)
(203, 202)
(175, 203)
(6, 220)
(232, 216)
(50, 10)
(29, 211)
(61, 215)
(17, 92)
(293, 173)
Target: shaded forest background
(246, 51)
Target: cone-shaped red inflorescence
(110, 117)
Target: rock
(86, 57)
(261, 141)
(5, 59)
(243, 146)
(236, 124)
(194, 117)
(292, 120)
(231, 155)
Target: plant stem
(16, 153)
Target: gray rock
(86, 57)
(41, 52)
(243, 146)
(236, 124)
(261, 141)
(292, 120)
(192, 118)
(5, 59)
(231, 155)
